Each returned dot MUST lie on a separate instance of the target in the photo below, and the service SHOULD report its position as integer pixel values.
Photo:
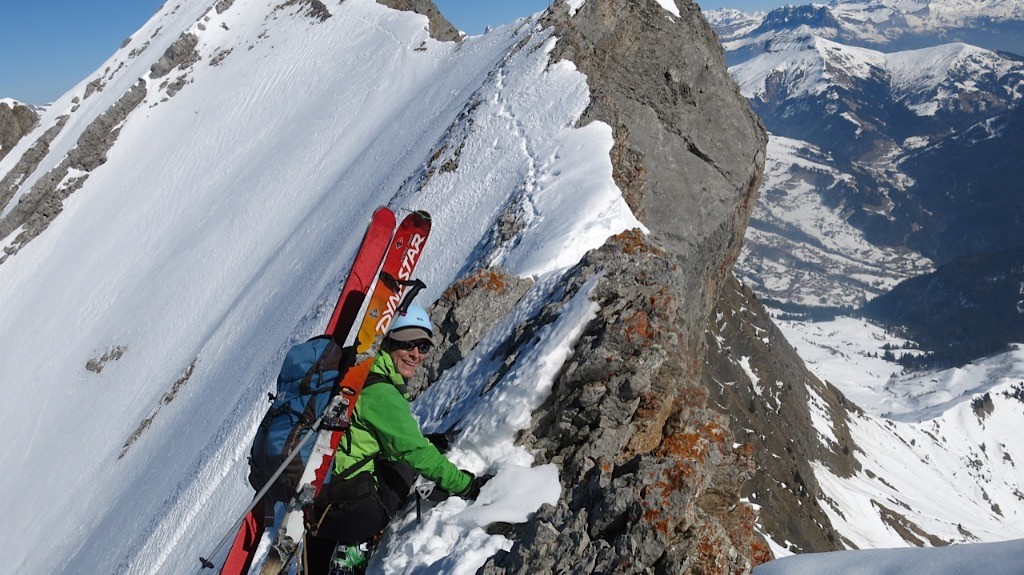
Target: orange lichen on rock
(637, 328)
(489, 279)
(696, 444)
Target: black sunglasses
(422, 345)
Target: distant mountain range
(897, 133)
(889, 25)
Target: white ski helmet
(412, 325)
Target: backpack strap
(372, 379)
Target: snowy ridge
(930, 14)
(252, 181)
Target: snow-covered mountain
(865, 128)
(889, 25)
(183, 215)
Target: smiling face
(407, 361)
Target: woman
(377, 462)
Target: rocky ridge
(651, 472)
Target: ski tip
(422, 214)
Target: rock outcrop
(651, 477)
(15, 122)
(36, 209)
(440, 27)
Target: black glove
(440, 440)
(438, 495)
(475, 483)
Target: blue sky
(48, 46)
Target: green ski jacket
(383, 426)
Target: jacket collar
(384, 366)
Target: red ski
(357, 286)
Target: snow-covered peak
(805, 64)
(929, 13)
(886, 25)
(730, 23)
(924, 79)
(945, 71)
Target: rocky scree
(771, 417)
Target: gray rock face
(14, 123)
(689, 153)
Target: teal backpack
(309, 377)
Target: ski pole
(337, 402)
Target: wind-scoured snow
(217, 234)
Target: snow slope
(217, 233)
(938, 449)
